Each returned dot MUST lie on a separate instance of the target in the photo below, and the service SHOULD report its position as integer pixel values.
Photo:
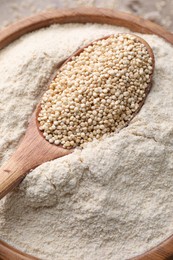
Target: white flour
(112, 200)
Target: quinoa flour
(111, 200)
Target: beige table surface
(159, 11)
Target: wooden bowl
(164, 251)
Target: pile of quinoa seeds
(97, 92)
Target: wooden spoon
(34, 150)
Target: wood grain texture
(8, 252)
(164, 251)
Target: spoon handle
(16, 168)
(23, 160)
(11, 174)
(32, 151)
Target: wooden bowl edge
(82, 15)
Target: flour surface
(112, 200)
